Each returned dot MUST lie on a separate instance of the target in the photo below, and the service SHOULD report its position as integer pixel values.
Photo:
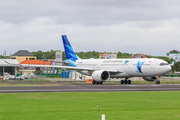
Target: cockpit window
(163, 64)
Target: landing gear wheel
(157, 82)
(122, 81)
(97, 83)
(125, 81)
(101, 83)
(93, 82)
(129, 81)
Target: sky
(151, 27)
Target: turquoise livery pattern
(70, 54)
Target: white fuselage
(146, 67)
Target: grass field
(83, 106)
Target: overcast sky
(134, 26)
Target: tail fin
(70, 54)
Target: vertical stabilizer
(70, 54)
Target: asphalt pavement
(89, 88)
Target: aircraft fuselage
(146, 67)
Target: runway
(89, 88)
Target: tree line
(90, 54)
(83, 55)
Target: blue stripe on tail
(70, 54)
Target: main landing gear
(126, 81)
(96, 82)
(157, 82)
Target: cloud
(89, 12)
(150, 27)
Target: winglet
(10, 63)
(172, 63)
(6, 62)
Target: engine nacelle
(100, 75)
(149, 78)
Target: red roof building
(51, 60)
(139, 55)
(36, 62)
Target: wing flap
(67, 67)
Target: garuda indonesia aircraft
(103, 69)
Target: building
(29, 70)
(36, 62)
(58, 60)
(174, 54)
(22, 55)
(139, 55)
(10, 66)
(108, 56)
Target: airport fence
(45, 75)
(64, 74)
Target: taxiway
(89, 88)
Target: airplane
(103, 69)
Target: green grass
(83, 106)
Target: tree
(41, 55)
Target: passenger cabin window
(163, 64)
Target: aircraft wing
(66, 67)
(50, 66)
(56, 66)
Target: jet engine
(149, 78)
(100, 75)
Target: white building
(10, 66)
